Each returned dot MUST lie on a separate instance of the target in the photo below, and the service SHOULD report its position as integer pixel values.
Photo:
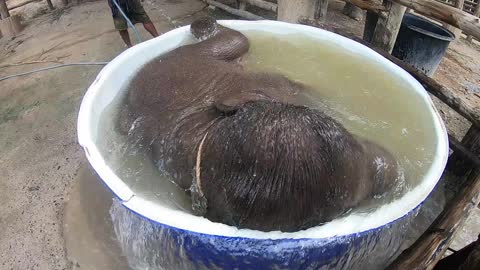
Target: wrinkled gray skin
(242, 144)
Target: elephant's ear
(231, 103)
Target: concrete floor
(40, 155)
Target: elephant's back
(177, 80)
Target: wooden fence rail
(468, 23)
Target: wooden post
(292, 11)
(456, 32)
(50, 5)
(352, 11)
(4, 10)
(259, 3)
(431, 246)
(476, 13)
(10, 26)
(321, 7)
(242, 5)
(469, 24)
(461, 258)
(386, 30)
(12, 7)
(457, 164)
(371, 20)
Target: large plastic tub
(421, 43)
(156, 237)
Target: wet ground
(41, 162)
(88, 230)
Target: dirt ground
(39, 152)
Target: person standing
(135, 12)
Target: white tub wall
(115, 76)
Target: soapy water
(362, 96)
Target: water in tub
(365, 98)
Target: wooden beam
(10, 26)
(321, 8)
(352, 11)
(291, 11)
(22, 4)
(386, 30)
(237, 12)
(4, 10)
(431, 246)
(371, 20)
(477, 10)
(468, 23)
(443, 93)
(476, 13)
(263, 4)
(371, 5)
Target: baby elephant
(242, 144)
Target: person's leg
(125, 37)
(122, 28)
(151, 28)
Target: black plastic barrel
(421, 43)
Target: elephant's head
(268, 166)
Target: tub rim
(448, 35)
(358, 222)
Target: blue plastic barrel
(421, 43)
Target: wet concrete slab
(88, 231)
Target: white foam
(115, 76)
